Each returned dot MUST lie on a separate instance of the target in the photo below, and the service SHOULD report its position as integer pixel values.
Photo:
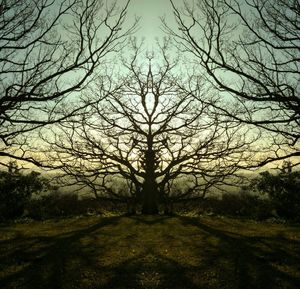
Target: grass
(149, 252)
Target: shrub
(16, 189)
(58, 204)
(242, 204)
(53, 205)
(283, 189)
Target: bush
(283, 189)
(59, 205)
(245, 205)
(16, 189)
(54, 205)
(242, 204)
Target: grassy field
(149, 252)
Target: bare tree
(152, 137)
(50, 50)
(249, 51)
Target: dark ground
(149, 252)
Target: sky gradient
(150, 11)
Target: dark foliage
(282, 189)
(241, 205)
(59, 205)
(16, 188)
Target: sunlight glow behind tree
(151, 135)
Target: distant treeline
(269, 195)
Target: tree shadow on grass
(50, 261)
(249, 261)
(150, 253)
(89, 258)
(150, 220)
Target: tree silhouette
(148, 141)
(249, 53)
(50, 51)
(16, 188)
(282, 188)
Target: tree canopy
(151, 134)
(249, 52)
(153, 129)
(50, 51)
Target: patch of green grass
(149, 252)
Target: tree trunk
(168, 208)
(150, 189)
(149, 200)
(131, 207)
